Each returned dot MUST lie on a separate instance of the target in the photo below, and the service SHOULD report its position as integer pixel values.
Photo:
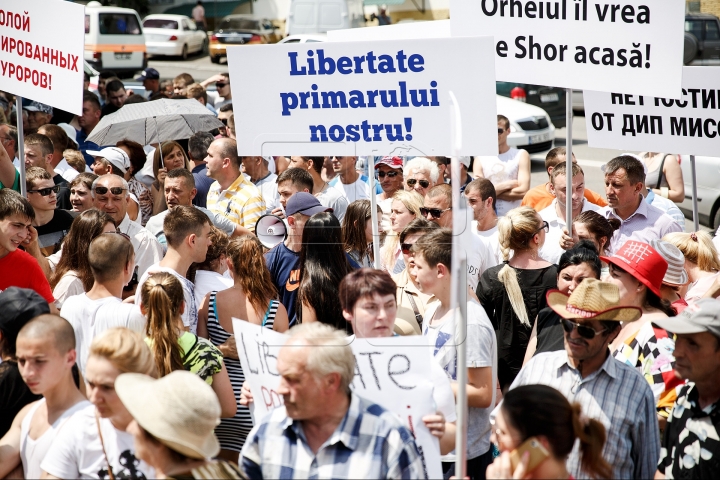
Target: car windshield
(160, 23)
(119, 24)
(239, 24)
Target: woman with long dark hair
(72, 275)
(323, 264)
(173, 156)
(357, 232)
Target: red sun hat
(392, 162)
(641, 261)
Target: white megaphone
(270, 230)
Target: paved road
(199, 66)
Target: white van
(319, 16)
(114, 39)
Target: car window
(87, 23)
(294, 40)
(239, 24)
(161, 23)
(310, 40)
(711, 31)
(191, 25)
(185, 25)
(694, 27)
(119, 24)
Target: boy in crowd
(329, 196)
(46, 355)
(51, 223)
(112, 261)
(187, 231)
(433, 260)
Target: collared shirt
(148, 250)
(691, 445)
(241, 202)
(369, 442)
(646, 223)
(551, 249)
(667, 206)
(66, 171)
(618, 397)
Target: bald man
(45, 350)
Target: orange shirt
(539, 198)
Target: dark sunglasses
(423, 183)
(220, 84)
(435, 212)
(583, 330)
(501, 131)
(389, 174)
(224, 121)
(405, 248)
(46, 191)
(545, 226)
(114, 190)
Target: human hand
(435, 423)
(32, 236)
(162, 173)
(507, 185)
(566, 241)
(502, 466)
(229, 348)
(278, 212)
(246, 397)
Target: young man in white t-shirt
(480, 196)
(187, 231)
(353, 185)
(112, 261)
(433, 260)
(45, 349)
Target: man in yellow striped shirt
(231, 194)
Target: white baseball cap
(114, 155)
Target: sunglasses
(501, 131)
(46, 191)
(423, 183)
(405, 248)
(220, 84)
(583, 330)
(545, 226)
(389, 174)
(224, 121)
(434, 212)
(114, 190)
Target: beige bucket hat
(592, 300)
(179, 409)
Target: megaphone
(270, 230)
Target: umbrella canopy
(154, 122)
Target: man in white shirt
(554, 214)
(111, 258)
(187, 231)
(257, 169)
(111, 195)
(437, 208)
(481, 197)
(351, 184)
(328, 196)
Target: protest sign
(41, 51)
(633, 46)
(363, 98)
(689, 125)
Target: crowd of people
(592, 343)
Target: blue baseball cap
(305, 203)
(148, 74)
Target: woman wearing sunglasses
(638, 271)
(575, 265)
(421, 174)
(513, 292)
(405, 208)
(411, 302)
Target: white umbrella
(154, 122)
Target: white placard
(363, 98)
(398, 31)
(689, 125)
(392, 372)
(634, 46)
(41, 51)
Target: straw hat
(592, 300)
(676, 274)
(179, 409)
(641, 261)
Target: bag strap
(418, 317)
(660, 172)
(102, 443)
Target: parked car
(702, 39)
(550, 99)
(320, 16)
(173, 35)
(305, 38)
(240, 30)
(708, 188)
(530, 126)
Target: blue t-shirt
(202, 184)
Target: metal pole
(21, 145)
(568, 159)
(696, 218)
(373, 212)
(458, 299)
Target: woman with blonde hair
(253, 299)
(162, 303)
(173, 156)
(514, 292)
(94, 441)
(404, 209)
(701, 261)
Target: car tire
(214, 59)
(715, 220)
(184, 53)
(205, 46)
(690, 48)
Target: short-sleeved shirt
(358, 190)
(155, 224)
(284, 266)
(190, 314)
(16, 183)
(19, 269)
(200, 356)
(51, 235)
(331, 197)
(646, 223)
(269, 191)
(539, 198)
(241, 202)
(551, 250)
(690, 446)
